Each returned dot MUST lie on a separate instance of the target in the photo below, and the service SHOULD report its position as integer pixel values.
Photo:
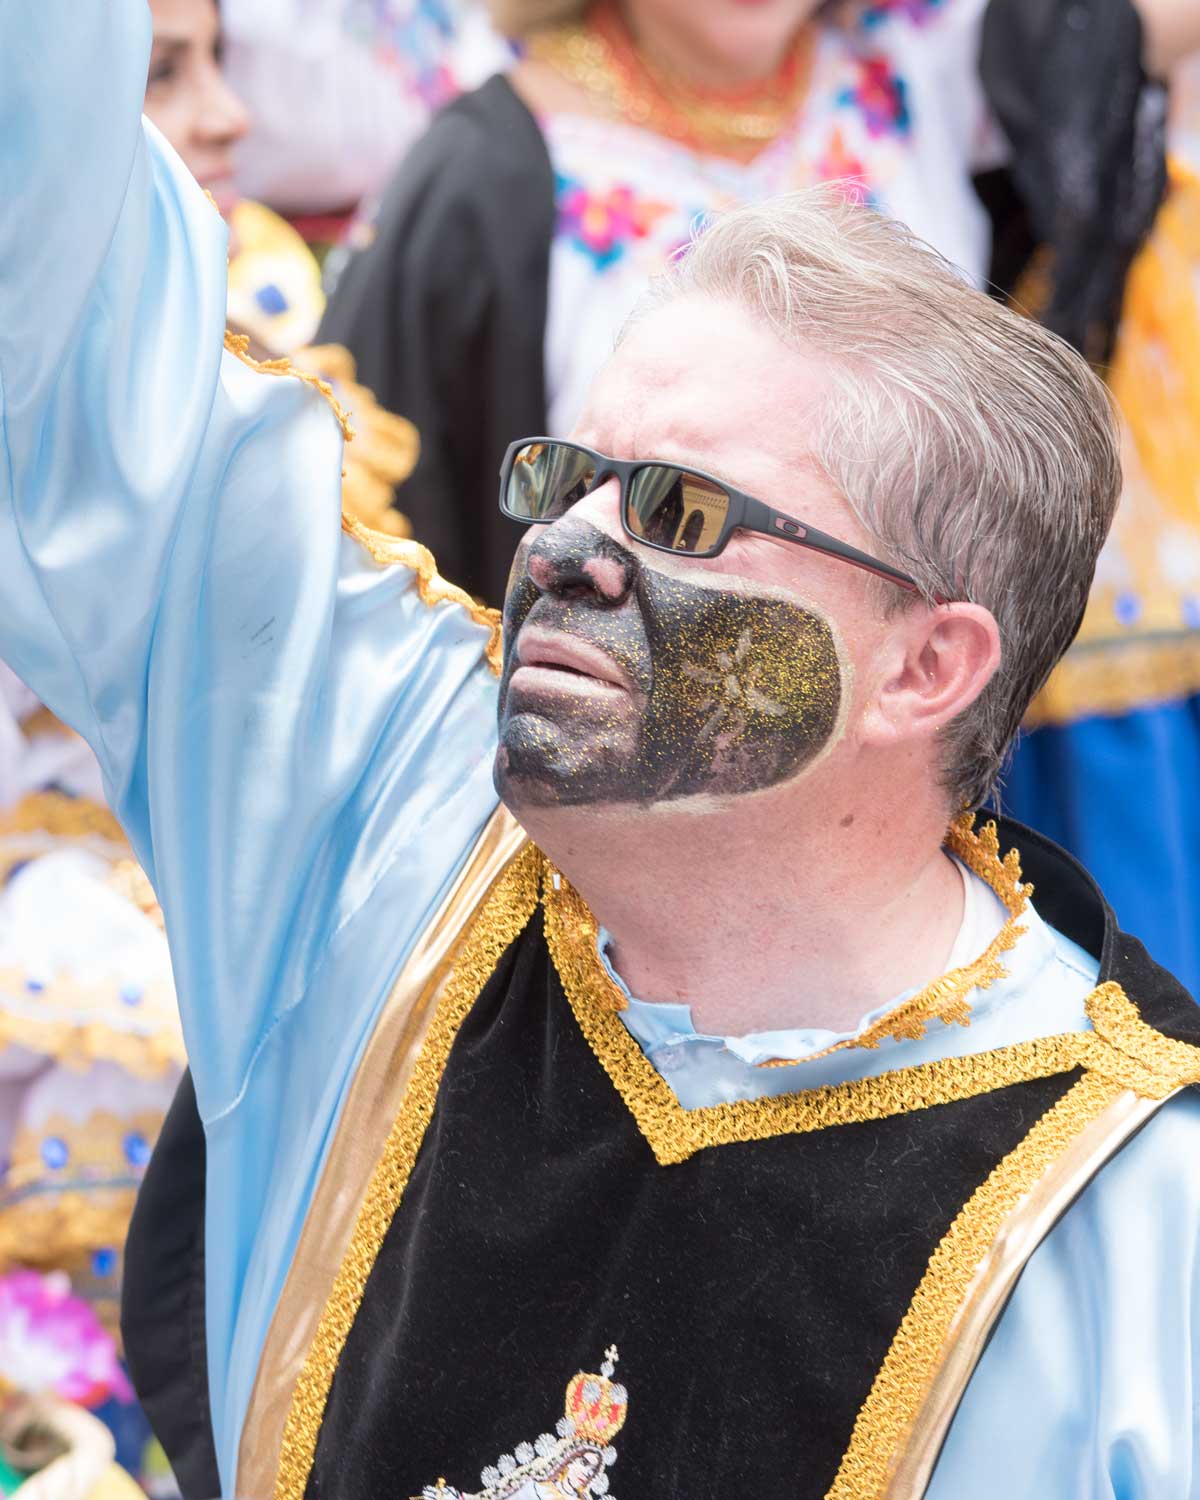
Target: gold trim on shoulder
(431, 586)
(376, 1144)
(946, 998)
(1130, 1072)
(385, 549)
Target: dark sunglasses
(662, 505)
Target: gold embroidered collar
(945, 999)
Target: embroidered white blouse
(894, 111)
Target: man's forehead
(733, 408)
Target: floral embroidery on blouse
(602, 223)
(915, 12)
(881, 97)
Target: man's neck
(758, 925)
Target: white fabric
(339, 89)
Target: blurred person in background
(1110, 762)
(339, 89)
(518, 234)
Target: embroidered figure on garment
(570, 1464)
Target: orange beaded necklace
(602, 57)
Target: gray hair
(979, 451)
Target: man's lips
(553, 658)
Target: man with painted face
(716, 1113)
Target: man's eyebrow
(168, 44)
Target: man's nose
(572, 559)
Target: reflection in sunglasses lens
(676, 509)
(547, 479)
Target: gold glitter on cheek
(747, 690)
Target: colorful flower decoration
(413, 40)
(603, 225)
(880, 96)
(915, 12)
(51, 1342)
(839, 165)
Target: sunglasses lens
(675, 509)
(546, 479)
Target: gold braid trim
(503, 916)
(1122, 1053)
(388, 550)
(238, 345)
(431, 586)
(674, 1133)
(945, 999)
(1164, 1065)
(906, 1373)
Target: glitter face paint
(717, 692)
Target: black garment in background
(445, 314)
(1088, 136)
(162, 1299)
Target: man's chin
(538, 764)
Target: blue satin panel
(298, 747)
(1123, 795)
(1090, 1387)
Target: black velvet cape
(751, 1291)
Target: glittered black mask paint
(725, 692)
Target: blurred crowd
(447, 210)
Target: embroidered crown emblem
(595, 1405)
(571, 1463)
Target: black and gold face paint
(722, 692)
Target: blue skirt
(1123, 795)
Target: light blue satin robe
(300, 750)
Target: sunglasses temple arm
(808, 536)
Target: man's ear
(943, 659)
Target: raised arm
(278, 718)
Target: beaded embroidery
(569, 1464)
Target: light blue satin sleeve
(1090, 1387)
(298, 746)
